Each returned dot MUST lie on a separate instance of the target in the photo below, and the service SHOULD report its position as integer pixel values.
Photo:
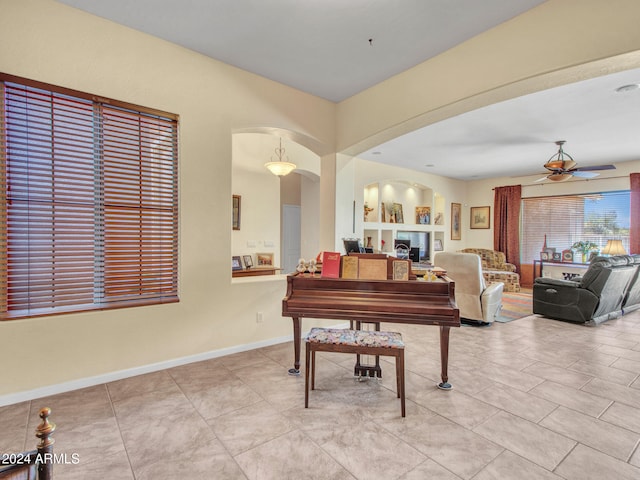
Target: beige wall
(480, 192)
(50, 42)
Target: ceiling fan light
(559, 177)
(560, 161)
(559, 164)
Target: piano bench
(354, 341)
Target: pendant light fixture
(281, 166)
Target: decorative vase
(369, 242)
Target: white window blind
(565, 220)
(89, 202)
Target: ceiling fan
(563, 167)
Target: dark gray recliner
(595, 297)
(632, 297)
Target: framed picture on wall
(264, 259)
(480, 217)
(235, 212)
(456, 221)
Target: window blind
(565, 220)
(89, 202)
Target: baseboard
(27, 395)
(132, 372)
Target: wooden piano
(372, 301)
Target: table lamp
(614, 247)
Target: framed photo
(544, 256)
(423, 215)
(236, 263)
(557, 256)
(437, 245)
(567, 255)
(248, 261)
(456, 221)
(480, 217)
(235, 222)
(397, 212)
(439, 219)
(264, 259)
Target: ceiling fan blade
(540, 179)
(594, 167)
(579, 173)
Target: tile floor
(532, 399)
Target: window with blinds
(565, 220)
(89, 202)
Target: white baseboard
(132, 372)
(27, 395)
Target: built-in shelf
(417, 206)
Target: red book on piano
(330, 264)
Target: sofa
(608, 289)
(496, 269)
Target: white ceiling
(322, 47)
(516, 137)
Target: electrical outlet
(259, 318)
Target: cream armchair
(476, 301)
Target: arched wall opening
(267, 201)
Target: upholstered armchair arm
(491, 301)
(509, 267)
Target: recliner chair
(477, 302)
(597, 296)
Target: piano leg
(444, 358)
(296, 347)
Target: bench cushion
(334, 336)
(339, 336)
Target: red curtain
(634, 233)
(506, 222)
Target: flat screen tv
(415, 239)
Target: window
(568, 219)
(89, 202)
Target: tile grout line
(115, 416)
